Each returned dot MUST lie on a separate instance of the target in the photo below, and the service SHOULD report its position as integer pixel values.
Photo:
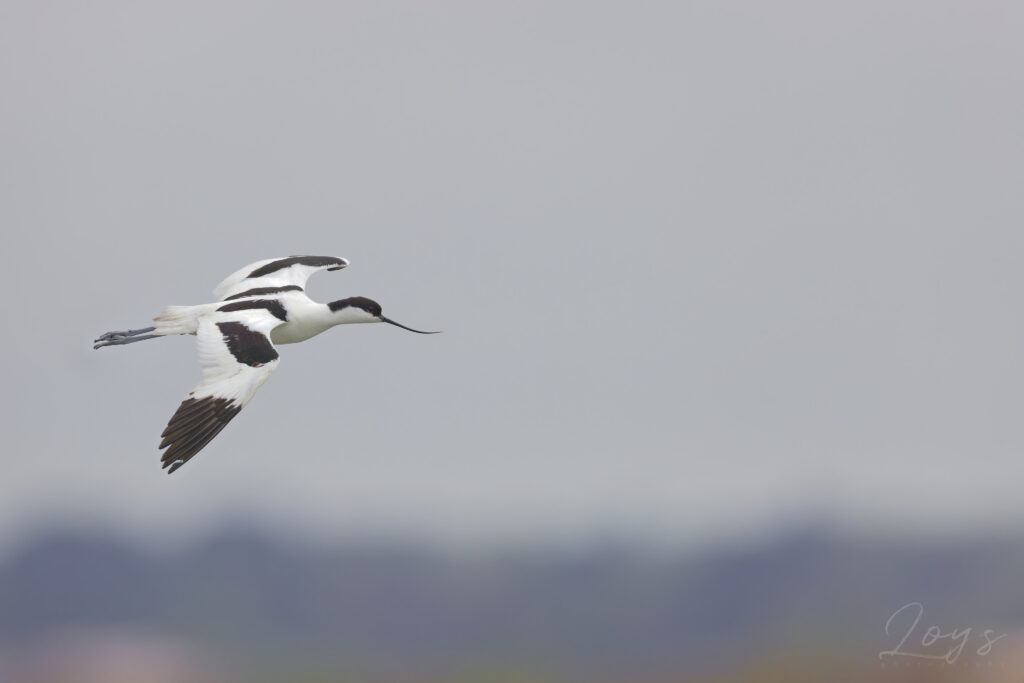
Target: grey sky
(702, 268)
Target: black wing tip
(193, 426)
(333, 262)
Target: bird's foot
(124, 337)
(123, 333)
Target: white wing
(236, 356)
(274, 275)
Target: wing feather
(236, 356)
(275, 274)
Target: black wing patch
(260, 291)
(275, 307)
(192, 426)
(251, 348)
(314, 261)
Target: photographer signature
(931, 648)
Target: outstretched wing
(271, 276)
(236, 356)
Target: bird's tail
(178, 320)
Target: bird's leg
(125, 333)
(118, 341)
(125, 337)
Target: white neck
(305, 321)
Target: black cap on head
(368, 305)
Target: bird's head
(359, 309)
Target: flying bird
(256, 308)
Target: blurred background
(729, 386)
